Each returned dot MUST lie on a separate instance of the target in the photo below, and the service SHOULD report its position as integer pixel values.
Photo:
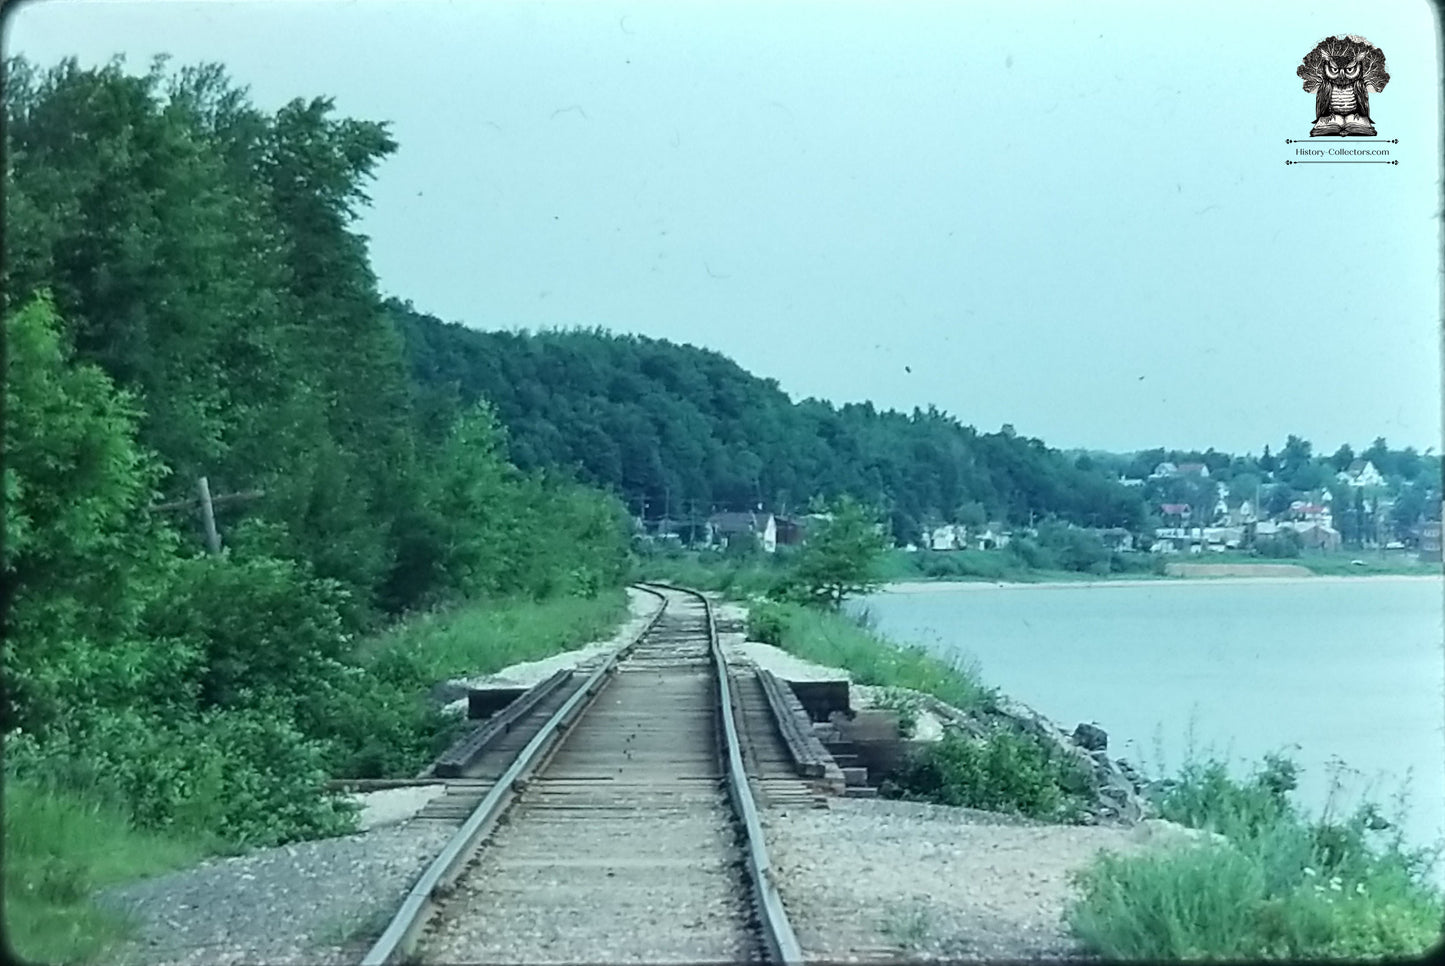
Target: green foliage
(832, 639)
(1286, 545)
(1005, 772)
(840, 557)
(681, 426)
(58, 848)
(1281, 885)
(263, 629)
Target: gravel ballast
(870, 880)
(310, 902)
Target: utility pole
(208, 516)
(206, 504)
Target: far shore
(940, 586)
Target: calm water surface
(1348, 669)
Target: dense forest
(677, 430)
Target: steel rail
(400, 936)
(778, 933)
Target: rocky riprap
(1112, 789)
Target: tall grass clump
(393, 729)
(835, 640)
(59, 847)
(1275, 883)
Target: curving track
(635, 840)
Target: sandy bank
(953, 586)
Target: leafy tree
(82, 555)
(1343, 457)
(839, 556)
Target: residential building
(724, 528)
(1164, 470)
(1194, 469)
(1361, 473)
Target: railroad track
(624, 830)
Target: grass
(1336, 564)
(834, 640)
(482, 638)
(1001, 565)
(738, 577)
(908, 924)
(1283, 886)
(59, 848)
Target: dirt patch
(1236, 570)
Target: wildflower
(1359, 888)
(1335, 884)
(1310, 872)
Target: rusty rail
(778, 934)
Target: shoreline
(940, 586)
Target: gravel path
(312, 902)
(872, 880)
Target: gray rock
(1091, 737)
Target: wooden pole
(208, 516)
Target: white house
(946, 537)
(723, 528)
(1361, 473)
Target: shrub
(1284, 886)
(1005, 772)
(264, 627)
(767, 623)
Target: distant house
(790, 531)
(992, 537)
(1175, 512)
(1194, 469)
(1430, 541)
(945, 537)
(1116, 539)
(1361, 473)
(1130, 481)
(1241, 515)
(1319, 513)
(1316, 536)
(1164, 470)
(724, 528)
(1222, 538)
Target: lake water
(1344, 669)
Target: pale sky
(1071, 217)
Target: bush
(767, 623)
(1284, 886)
(1032, 555)
(1285, 545)
(264, 627)
(246, 777)
(1004, 773)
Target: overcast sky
(1071, 217)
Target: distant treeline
(686, 430)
